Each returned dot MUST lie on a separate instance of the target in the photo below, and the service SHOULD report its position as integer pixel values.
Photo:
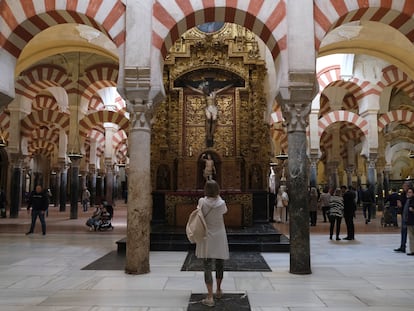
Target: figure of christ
(211, 110)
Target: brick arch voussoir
(100, 117)
(342, 116)
(253, 18)
(103, 15)
(44, 117)
(401, 116)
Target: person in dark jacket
(393, 199)
(403, 198)
(39, 202)
(368, 200)
(349, 211)
(409, 219)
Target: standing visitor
(324, 200)
(214, 249)
(313, 205)
(402, 205)
(39, 202)
(86, 197)
(410, 221)
(349, 211)
(336, 213)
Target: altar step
(258, 238)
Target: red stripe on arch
(8, 15)
(163, 16)
(253, 10)
(321, 19)
(50, 5)
(278, 14)
(117, 11)
(381, 12)
(340, 7)
(209, 14)
(28, 8)
(93, 7)
(185, 6)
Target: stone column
(109, 185)
(16, 185)
(349, 172)
(296, 110)
(313, 177)
(139, 190)
(63, 185)
(92, 183)
(74, 186)
(387, 170)
(333, 174)
(57, 187)
(371, 180)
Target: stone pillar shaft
(16, 189)
(63, 187)
(139, 193)
(74, 188)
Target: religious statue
(209, 168)
(211, 110)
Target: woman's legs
(338, 226)
(208, 277)
(219, 276)
(331, 227)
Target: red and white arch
(331, 14)
(267, 19)
(21, 20)
(401, 116)
(342, 116)
(91, 120)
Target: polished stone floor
(44, 273)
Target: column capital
(141, 115)
(297, 101)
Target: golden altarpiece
(214, 109)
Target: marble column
(371, 180)
(92, 183)
(296, 112)
(109, 185)
(57, 187)
(63, 187)
(387, 171)
(349, 171)
(16, 186)
(139, 190)
(74, 187)
(313, 177)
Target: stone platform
(256, 238)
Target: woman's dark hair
(211, 188)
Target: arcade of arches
(131, 97)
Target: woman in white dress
(214, 249)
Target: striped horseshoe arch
(392, 76)
(39, 78)
(330, 14)
(98, 77)
(342, 116)
(44, 117)
(401, 116)
(42, 147)
(21, 20)
(100, 117)
(267, 19)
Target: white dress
(215, 245)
